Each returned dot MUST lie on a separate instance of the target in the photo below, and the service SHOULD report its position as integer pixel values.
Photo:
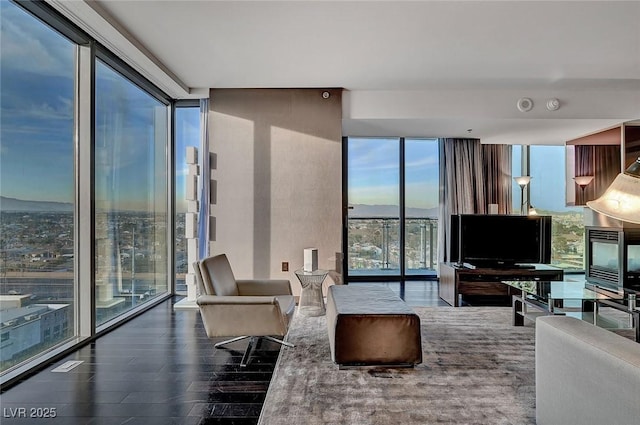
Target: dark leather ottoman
(372, 326)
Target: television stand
(519, 266)
(484, 284)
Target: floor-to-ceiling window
(187, 130)
(85, 209)
(545, 195)
(392, 193)
(421, 181)
(37, 186)
(131, 195)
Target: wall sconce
(522, 181)
(621, 200)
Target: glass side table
(311, 299)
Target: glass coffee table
(580, 299)
(622, 300)
(536, 298)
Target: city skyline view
(50, 164)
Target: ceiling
(484, 53)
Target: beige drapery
(472, 176)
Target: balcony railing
(374, 245)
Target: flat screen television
(500, 240)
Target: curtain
(205, 182)
(600, 161)
(607, 166)
(497, 172)
(472, 176)
(461, 185)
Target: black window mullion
(402, 216)
(132, 75)
(54, 19)
(345, 208)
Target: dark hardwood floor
(159, 368)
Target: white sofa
(585, 374)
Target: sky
(37, 68)
(187, 134)
(548, 174)
(374, 172)
(36, 131)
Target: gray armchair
(242, 308)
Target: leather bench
(372, 326)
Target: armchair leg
(245, 358)
(229, 341)
(279, 341)
(252, 341)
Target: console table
(457, 281)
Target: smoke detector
(553, 104)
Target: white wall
(279, 178)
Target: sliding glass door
(392, 200)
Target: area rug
(477, 369)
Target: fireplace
(612, 257)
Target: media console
(485, 284)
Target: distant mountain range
(361, 210)
(21, 205)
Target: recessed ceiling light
(525, 104)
